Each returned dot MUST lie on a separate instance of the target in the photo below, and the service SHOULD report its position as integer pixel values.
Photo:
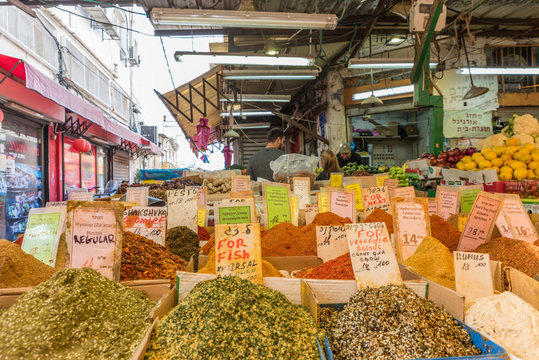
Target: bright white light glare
(384, 92)
(243, 19)
(251, 126)
(383, 64)
(239, 59)
(270, 77)
(499, 71)
(396, 40)
(270, 74)
(258, 98)
(248, 113)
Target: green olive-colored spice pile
(76, 314)
(183, 242)
(392, 323)
(231, 318)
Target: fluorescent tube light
(243, 59)
(499, 71)
(243, 19)
(384, 92)
(258, 98)
(251, 126)
(270, 74)
(247, 113)
(394, 63)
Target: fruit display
(524, 128)
(400, 174)
(513, 160)
(448, 158)
(351, 168)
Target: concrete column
(336, 131)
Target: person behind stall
(329, 164)
(347, 156)
(259, 163)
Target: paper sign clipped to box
(373, 259)
(277, 201)
(449, 201)
(331, 242)
(238, 252)
(376, 197)
(518, 222)
(138, 195)
(343, 203)
(472, 275)
(481, 221)
(411, 224)
(183, 208)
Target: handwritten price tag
(468, 194)
(411, 223)
(331, 242)
(517, 220)
(302, 188)
(376, 197)
(323, 201)
(150, 222)
(241, 183)
(42, 233)
(472, 275)
(404, 192)
(335, 180)
(80, 195)
(277, 203)
(138, 195)
(373, 259)
(310, 212)
(391, 184)
(343, 203)
(480, 221)
(356, 188)
(237, 251)
(183, 208)
(449, 201)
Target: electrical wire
(168, 65)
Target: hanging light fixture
(372, 100)
(474, 91)
(231, 134)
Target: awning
(153, 147)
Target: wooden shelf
(382, 138)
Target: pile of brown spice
(288, 240)
(336, 269)
(144, 259)
(19, 269)
(444, 232)
(203, 234)
(209, 245)
(379, 215)
(518, 254)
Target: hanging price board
(138, 195)
(343, 203)
(183, 208)
(404, 192)
(234, 211)
(43, 230)
(237, 251)
(517, 219)
(277, 207)
(411, 224)
(376, 197)
(481, 221)
(472, 275)
(449, 201)
(335, 179)
(311, 210)
(241, 183)
(323, 201)
(94, 236)
(356, 188)
(331, 242)
(302, 188)
(150, 222)
(373, 259)
(468, 194)
(434, 206)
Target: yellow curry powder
(268, 270)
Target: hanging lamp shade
(82, 145)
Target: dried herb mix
(77, 314)
(231, 318)
(392, 323)
(183, 242)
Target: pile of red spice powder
(443, 231)
(336, 269)
(379, 215)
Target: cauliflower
(525, 124)
(491, 141)
(524, 139)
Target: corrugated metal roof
(500, 9)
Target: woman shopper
(329, 164)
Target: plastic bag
(290, 165)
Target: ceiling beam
(22, 7)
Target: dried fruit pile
(159, 191)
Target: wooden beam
(424, 46)
(22, 7)
(303, 128)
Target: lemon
(486, 150)
(467, 159)
(520, 173)
(497, 169)
(485, 164)
(499, 150)
(530, 147)
(460, 165)
(506, 176)
(512, 141)
(525, 158)
(470, 166)
(506, 169)
(505, 157)
(517, 165)
(510, 150)
(490, 155)
(477, 157)
(533, 165)
(535, 156)
(497, 162)
(537, 172)
(524, 150)
(531, 175)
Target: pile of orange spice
(336, 269)
(444, 232)
(379, 215)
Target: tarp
(161, 174)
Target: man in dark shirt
(259, 163)
(346, 156)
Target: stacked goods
(77, 314)
(336, 269)
(285, 239)
(450, 158)
(434, 261)
(510, 321)
(400, 174)
(159, 191)
(268, 270)
(231, 318)
(218, 185)
(353, 169)
(379, 215)
(183, 242)
(144, 259)
(392, 322)
(518, 254)
(19, 269)
(444, 232)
